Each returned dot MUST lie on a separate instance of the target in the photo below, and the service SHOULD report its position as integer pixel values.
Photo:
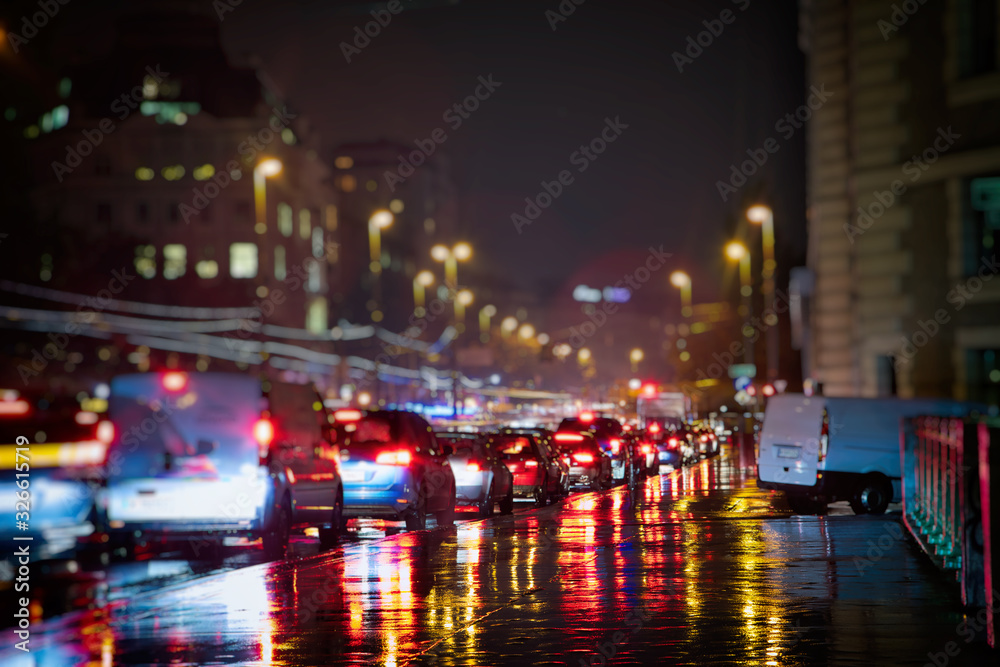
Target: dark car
(589, 465)
(482, 480)
(609, 435)
(535, 468)
(393, 467)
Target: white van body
(859, 446)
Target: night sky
(656, 184)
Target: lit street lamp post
(682, 281)
(485, 313)
(460, 252)
(635, 356)
(739, 252)
(764, 216)
(379, 220)
(421, 282)
(264, 170)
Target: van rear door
(789, 440)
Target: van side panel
(789, 440)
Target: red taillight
(472, 466)
(530, 463)
(400, 457)
(583, 458)
(106, 432)
(569, 437)
(654, 428)
(174, 381)
(263, 432)
(616, 445)
(704, 438)
(646, 449)
(586, 416)
(673, 442)
(347, 415)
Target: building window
(285, 223)
(316, 316)
(207, 268)
(145, 261)
(305, 224)
(142, 212)
(331, 218)
(317, 242)
(348, 183)
(982, 372)
(315, 276)
(981, 222)
(243, 260)
(280, 271)
(103, 212)
(243, 210)
(977, 37)
(174, 260)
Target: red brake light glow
(654, 428)
(106, 432)
(583, 457)
(586, 416)
(263, 432)
(530, 463)
(569, 437)
(399, 457)
(616, 445)
(646, 449)
(175, 381)
(673, 442)
(704, 438)
(18, 407)
(347, 415)
(472, 467)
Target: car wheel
(328, 537)
(276, 540)
(417, 518)
(486, 507)
(507, 504)
(447, 517)
(872, 496)
(542, 493)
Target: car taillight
(583, 458)
(174, 381)
(616, 445)
(472, 466)
(263, 433)
(654, 428)
(106, 432)
(568, 437)
(400, 457)
(673, 442)
(646, 449)
(347, 415)
(530, 463)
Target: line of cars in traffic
(200, 458)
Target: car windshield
(370, 429)
(464, 445)
(514, 447)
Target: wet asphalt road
(694, 567)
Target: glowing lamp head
(758, 213)
(425, 278)
(464, 297)
(462, 251)
(269, 167)
(736, 251)
(381, 219)
(175, 381)
(680, 279)
(768, 390)
(587, 416)
(440, 253)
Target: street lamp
(460, 252)
(635, 356)
(485, 313)
(526, 332)
(508, 326)
(583, 356)
(421, 282)
(462, 300)
(738, 252)
(682, 281)
(379, 220)
(764, 216)
(265, 169)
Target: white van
(820, 449)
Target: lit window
(317, 242)
(316, 316)
(331, 218)
(371, 186)
(344, 162)
(174, 260)
(348, 183)
(396, 206)
(285, 219)
(315, 277)
(144, 174)
(243, 260)
(173, 172)
(207, 268)
(305, 224)
(145, 261)
(288, 136)
(279, 263)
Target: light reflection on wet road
(694, 567)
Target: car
(200, 457)
(535, 468)
(393, 467)
(643, 453)
(589, 465)
(481, 478)
(551, 451)
(609, 435)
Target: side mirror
(446, 450)
(206, 447)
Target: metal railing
(949, 504)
